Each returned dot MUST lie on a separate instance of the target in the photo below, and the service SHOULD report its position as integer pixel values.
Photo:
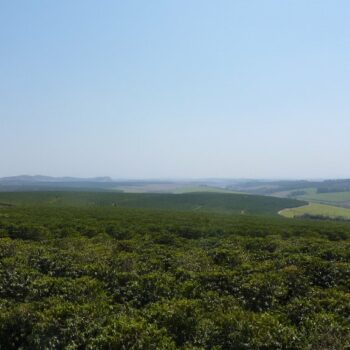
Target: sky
(175, 88)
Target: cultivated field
(199, 202)
(338, 198)
(317, 209)
(77, 272)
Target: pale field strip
(316, 209)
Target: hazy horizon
(175, 89)
(174, 178)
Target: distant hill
(41, 178)
(226, 203)
(271, 187)
(280, 188)
(48, 183)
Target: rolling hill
(201, 202)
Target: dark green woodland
(153, 271)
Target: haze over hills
(284, 188)
(43, 178)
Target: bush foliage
(111, 278)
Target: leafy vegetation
(202, 202)
(104, 277)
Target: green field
(341, 199)
(332, 197)
(317, 209)
(170, 188)
(202, 202)
(190, 189)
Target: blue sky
(175, 88)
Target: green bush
(110, 278)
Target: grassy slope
(317, 209)
(171, 188)
(191, 189)
(202, 202)
(332, 204)
(311, 195)
(331, 197)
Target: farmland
(336, 198)
(202, 202)
(326, 204)
(316, 209)
(77, 272)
